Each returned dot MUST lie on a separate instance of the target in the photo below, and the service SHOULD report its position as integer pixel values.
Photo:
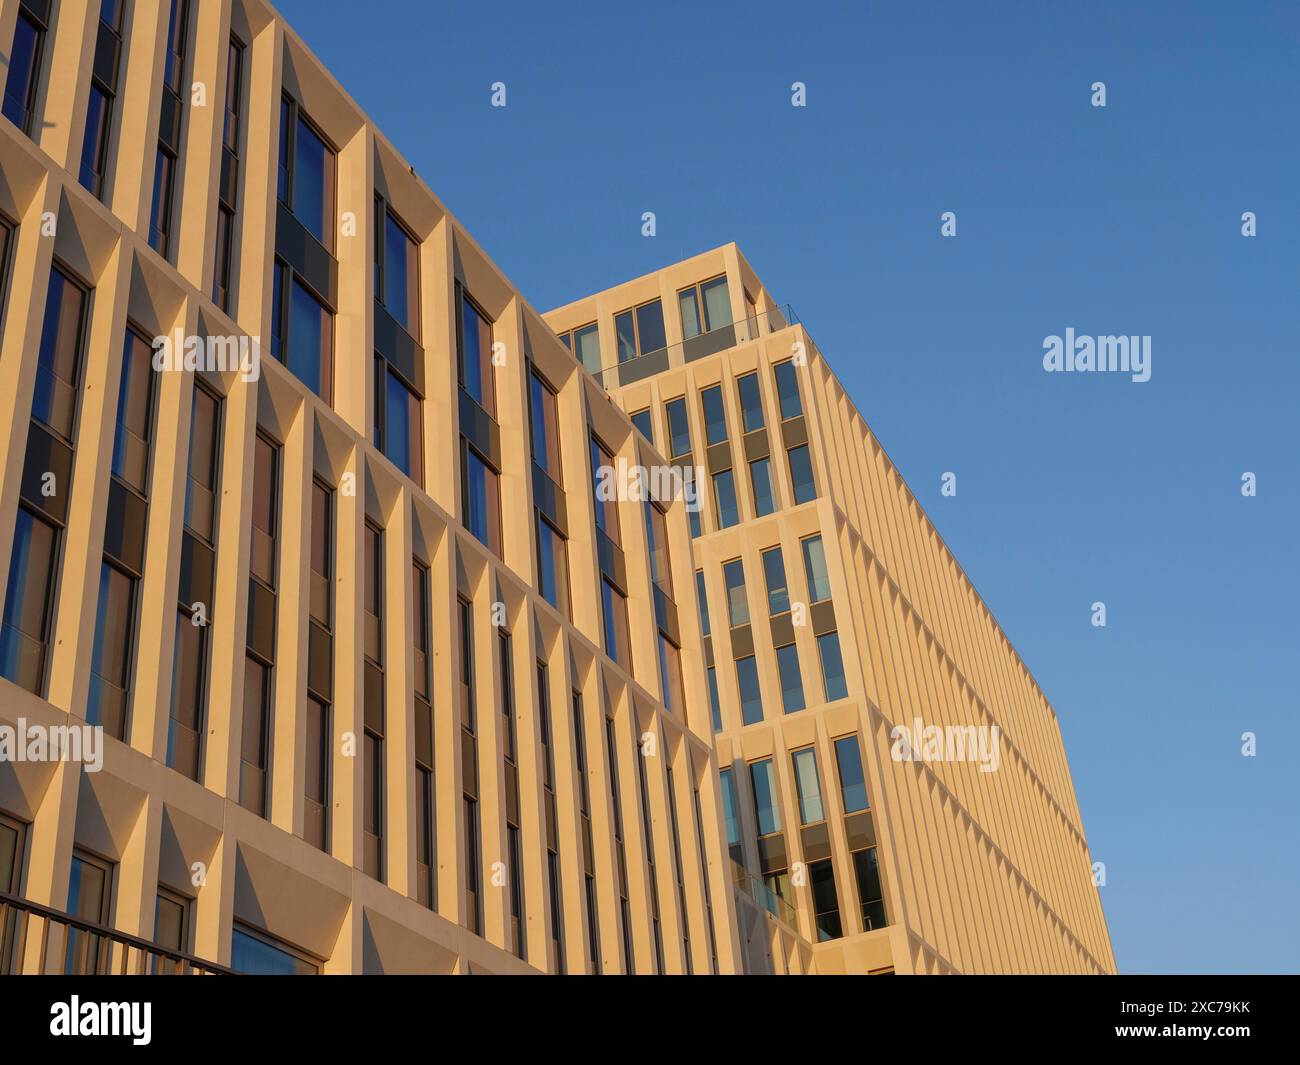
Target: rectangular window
(766, 807)
(710, 297)
(303, 333)
(584, 342)
(733, 577)
(322, 554)
(787, 390)
(657, 542)
(24, 70)
(174, 61)
(552, 565)
(397, 270)
(481, 498)
(372, 810)
(640, 331)
(265, 492)
(160, 214)
(730, 811)
(826, 905)
(254, 748)
(828, 646)
(724, 495)
(473, 892)
(234, 95)
(170, 929)
(505, 661)
(760, 478)
(787, 661)
(778, 595)
(670, 675)
(316, 787)
(615, 612)
(26, 631)
(474, 354)
(808, 786)
(134, 414)
(751, 698)
(398, 431)
(801, 474)
(715, 705)
(12, 845)
(644, 421)
(189, 685)
(58, 367)
(257, 954)
(866, 868)
(90, 892)
(751, 402)
(679, 430)
(514, 852)
(702, 598)
(306, 174)
(544, 424)
(224, 250)
(201, 480)
(853, 783)
(602, 466)
(110, 666)
(94, 143)
(814, 568)
(715, 415)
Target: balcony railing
(697, 347)
(74, 946)
(763, 895)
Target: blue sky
(1071, 488)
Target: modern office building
(832, 612)
(352, 664)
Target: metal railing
(74, 946)
(762, 895)
(697, 347)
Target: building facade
(302, 515)
(833, 613)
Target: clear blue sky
(1071, 488)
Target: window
(473, 892)
(702, 598)
(853, 784)
(258, 954)
(134, 414)
(640, 331)
(58, 368)
(787, 390)
(474, 353)
(679, 430)
(12, 836)
(670, 675)
(808, 786)
(778, 595)
(644, 421)
(189, 682)
(602, 465)
(826, 905)
(26, 629)
(322, 554)
(397, 270)
(711, 297)
(24, 70)
(90, 891)
(552, 565)
(174, 61)
(110, 667)
(751, 699)
(480, 498)
(724, 495)
(234, 94)
(170, 929)
(871, 895)
(253, 751)
(801, 474)
(814, 567)
(733, 577)
(751, 402)
(544, 424)
(657, 542)
(316, 787)
(397, 422)
(584, 342)
(828, 646)
(731, 813)
(766, 808)
(306, 173)
(372, 811)
(615, 612)
(302, 332)
(715, 705)
(787, 662)
(94, 145)
(224, 245)
(624, 914)
(760, 478)
(160, 214)
(224, 267)
(715, 417)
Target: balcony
(72, 946)
(697, 347)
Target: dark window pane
(111, 655)
(313, 184)
(853, 783)
(482, 502)
(644, 421)
(27, 602)
(724, 492)
(778, 595)
(768, 813)
(20, 86)
(58, 368)
(689, 305)
(801, 474)
(760, 475)
(679, 431)
(134, 402)
(311, 341)
(715, 417)
(832, 666)
(717, 304)
(95, 141)
(715, 704)
(253, 955)
(164, 176)
(751, 699)
(733, 576)
(650, 327)
(814, 564)
(787, 660)
(751, 403)
(787, 390)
